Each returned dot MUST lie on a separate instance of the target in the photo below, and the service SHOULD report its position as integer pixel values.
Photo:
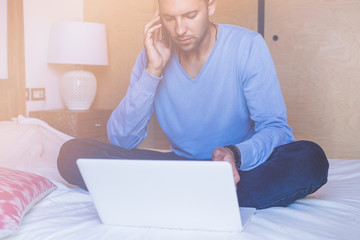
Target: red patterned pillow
(19, 192)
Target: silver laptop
(192, 195)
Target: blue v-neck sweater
(234, 100)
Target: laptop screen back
(197, 195)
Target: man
(216, 96)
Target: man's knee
(316, 157)
(69, 152)
(313, 164)
(293, 171)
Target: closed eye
(191, 15)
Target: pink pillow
(19, 192)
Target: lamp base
(78, 89)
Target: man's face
(186, 21)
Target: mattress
(333, 212)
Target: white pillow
(31, 145)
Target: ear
(211, 7)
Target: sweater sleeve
(127, 125)
(266, 107)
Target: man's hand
(225, 154)
(157, 51)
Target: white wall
(38, 18)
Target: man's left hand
(225, 154)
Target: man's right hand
(158, 52)
(225, 154)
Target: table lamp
(78, 43)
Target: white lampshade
(80, 43)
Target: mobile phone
(165, 37)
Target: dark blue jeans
(291, 172)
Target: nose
(180, 27)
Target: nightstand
(80, 124)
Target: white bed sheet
(333, 212)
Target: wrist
(153, 71)
(237, 155)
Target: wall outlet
(27, 94)
(37, 94)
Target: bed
(60, 211)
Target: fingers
(236, 177)
(154, 20)
(218, 155)
(149, 26)
(153, 32)
(223, 154)
(158, 53)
